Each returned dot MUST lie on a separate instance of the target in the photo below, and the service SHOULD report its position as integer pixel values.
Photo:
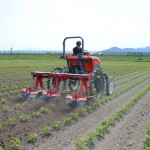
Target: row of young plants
(11, 122)
(125, 72)
(131, 78)
(147, 141)
(65, 121)
(130, 74)
(83, 144)
(16, 143)
(15, 106)
(12, 88)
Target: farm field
(41, 125)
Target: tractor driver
(77, 49)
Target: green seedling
(23, 118)
(46, 130)
(101, 130)
(3, 100)
(56, 125)
(147, 141)
(74, 116)
(32, 137)
(67, 120)
(15, 144)
(91, 137)
(95, 105)
(82, 112)
(80, 144)
(4, 108)
(88, 108)
(16, 106)
(36, 114)
(12, 121)
(43, 110)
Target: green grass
(126, 58)
(28, 61)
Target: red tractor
(79, 82)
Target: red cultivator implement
(78, 83)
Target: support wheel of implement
(109, 86)
(97, 84)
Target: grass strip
(103, 127)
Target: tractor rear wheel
(109, 86)
(97, 84)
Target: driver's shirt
(77, 50)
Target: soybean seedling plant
(32, 137)
(12, 121)
(4, 108)
(91, 137)
(36, 114)
(101, 130)
(16, 106)
(46, 130)
(80, 144)
(3, 101)
(43, 110)
(147, 142)
(56, 125)
(75, 116)
(67, 120)
(23, 118)
(15, 144)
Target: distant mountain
(125, 51)
(117, 49)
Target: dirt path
(129, 133)
(64, 139)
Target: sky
(43, 24)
